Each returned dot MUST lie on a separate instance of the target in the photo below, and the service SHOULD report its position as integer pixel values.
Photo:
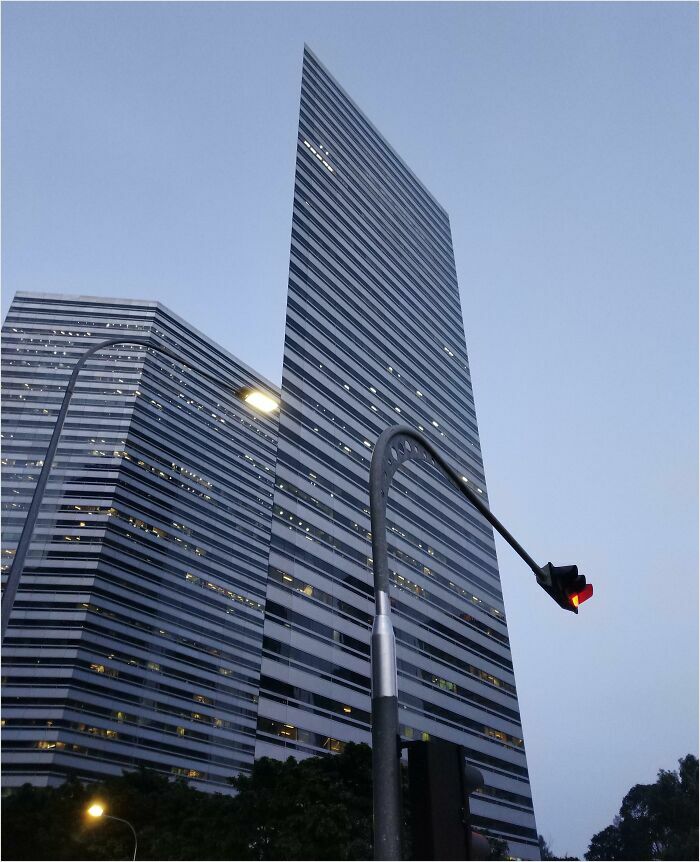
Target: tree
(656, 821)
(172, 820)
(607, 844)
(318, 808)
(498, 847)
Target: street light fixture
(254, 397)
(96, 810)
(394, 447)
(259, 400)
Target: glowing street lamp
(96, 810)
(259, 400)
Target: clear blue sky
(148, 151)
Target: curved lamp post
(394, 447)
(96, 810)
(251, 396)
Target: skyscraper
(136, 633)
(174, 613)
(374, 336)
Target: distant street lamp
(96, 810)
(394, 447)
(259, 400)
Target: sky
(148, 151)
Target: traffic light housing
(440, 781)
(565, 586)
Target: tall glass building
(199, 588)
(137, 630)
(374, 336)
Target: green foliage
(656, 821)
(319, 808)
(498, 846)
(51, 823)
(545, 851)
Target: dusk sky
(148, 151)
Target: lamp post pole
(121, 820)
(395, 446)
(13, 580)
(98, 811)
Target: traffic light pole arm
(13, 579)
(409, 445)
(395, 446)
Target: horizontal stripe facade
(374, 337)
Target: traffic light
(440, 781)
(565, 586)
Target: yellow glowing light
(262, 402)
(574, 600)
(96, 810)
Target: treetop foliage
(319, 808)
(656, 821)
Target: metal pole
(13, 579)
(394, 446)
(386, 754)
(121, 820)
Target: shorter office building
(136, 635)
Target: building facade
(374, 336)
(136, 634)
(199, 588)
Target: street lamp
(96, 810)
(257, 399)
(394, 447)
(262, 402)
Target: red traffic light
(579, 598)
(564, 585)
